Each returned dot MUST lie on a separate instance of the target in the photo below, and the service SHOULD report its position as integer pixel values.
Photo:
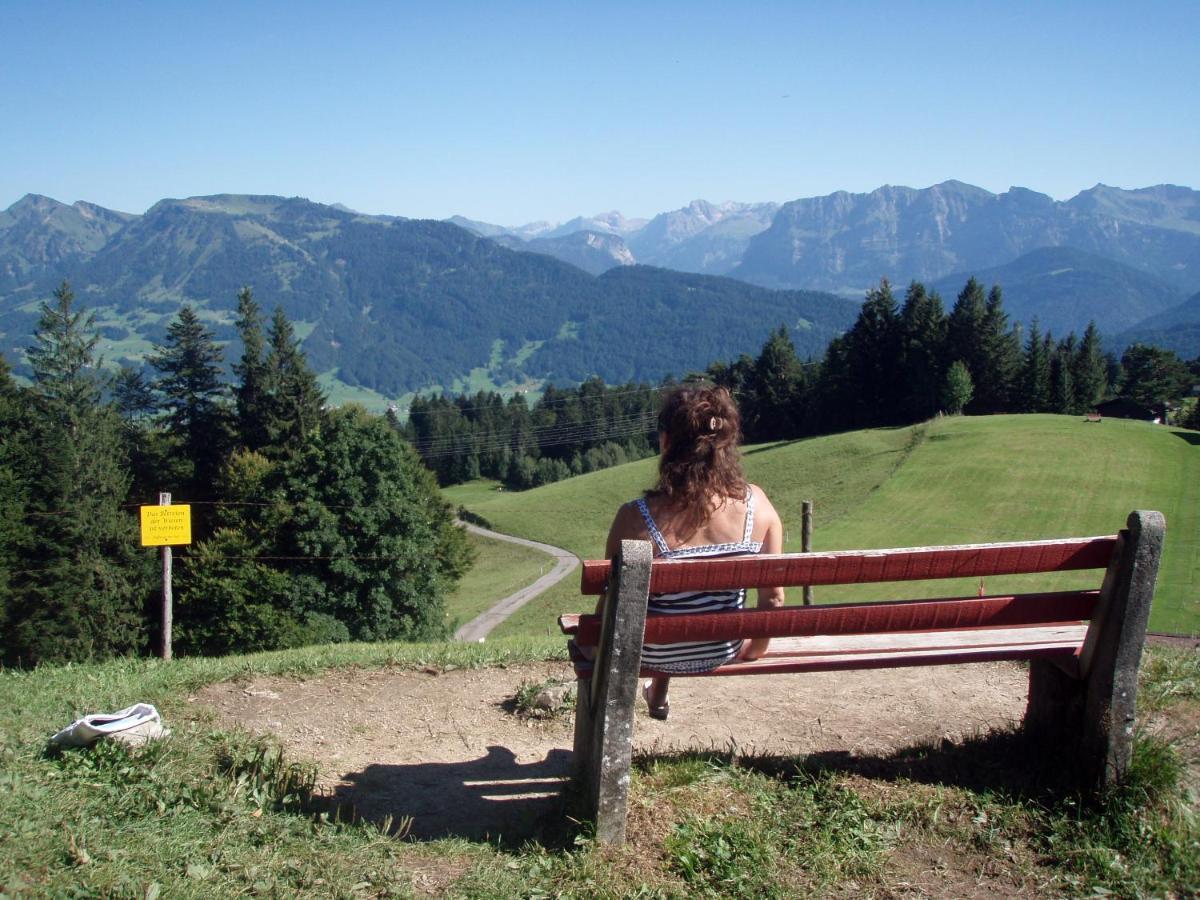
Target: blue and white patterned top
(697, 656)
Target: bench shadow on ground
(1005, 761)
(498, 800)
(493, 798)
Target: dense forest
(311, 524)
(314, 524)
(900, 362)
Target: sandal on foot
(660, 711)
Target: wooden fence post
(806, 543)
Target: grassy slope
(500, 569)
(969, 480)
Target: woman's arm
(768, 598)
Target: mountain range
(386, 304)
(392, 304)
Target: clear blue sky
(511, 112)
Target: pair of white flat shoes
(135, 725)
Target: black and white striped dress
(697, 656)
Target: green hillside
(955, 480)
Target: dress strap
(659, 541)
(749, 514)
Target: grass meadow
(210, 812)
(952, 480)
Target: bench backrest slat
(864, 566)
(869, 618)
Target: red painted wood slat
(855, 618)
(1061, 642)
(864, 566)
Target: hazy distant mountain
(393, 304)
(846, 242)
(1064, 289)
(483, 229)
(592, 252)
(1177, 328)
(601, 223)
(702, 237)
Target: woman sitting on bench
(701, 506)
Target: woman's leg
(655, 692)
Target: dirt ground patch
(441, 747)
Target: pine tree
(1001, 358)
(965, 330)
(296, 400)
(63, 355)
(1035, 377)
(873, 355)
(775, 390)
(193, 397)
(251, 395)
(133, 395)
(1153, 376)
(923, 348)
(16, 471)
(1062, 382)
(83, 580)
(1089, 371)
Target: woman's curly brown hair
(702, 462)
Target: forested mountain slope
(392, 304)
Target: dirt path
(445, 749)
(564, 564)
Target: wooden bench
(1094, 416)
(1083, 646)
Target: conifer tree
(1035, 377)
(775, 391)
(1062, 383)
(84, 580)
(296, 400)
(965, 330)
(193, 397)
(16, 470)
(133, 395)
(251, 394)
(1089, 370)
(873, 356)
(923, 347)
(63, 354)
(1001, 358)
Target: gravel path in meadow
(565, 563)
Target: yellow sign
(164, 525)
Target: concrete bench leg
(1093, 715)
(605, 704)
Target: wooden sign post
(162, 526)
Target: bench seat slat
(823, 653)
(864, 566)
(853, 618)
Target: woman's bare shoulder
(628, 520)
(762, 503)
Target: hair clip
(712, 424)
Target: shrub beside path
(565, 563)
